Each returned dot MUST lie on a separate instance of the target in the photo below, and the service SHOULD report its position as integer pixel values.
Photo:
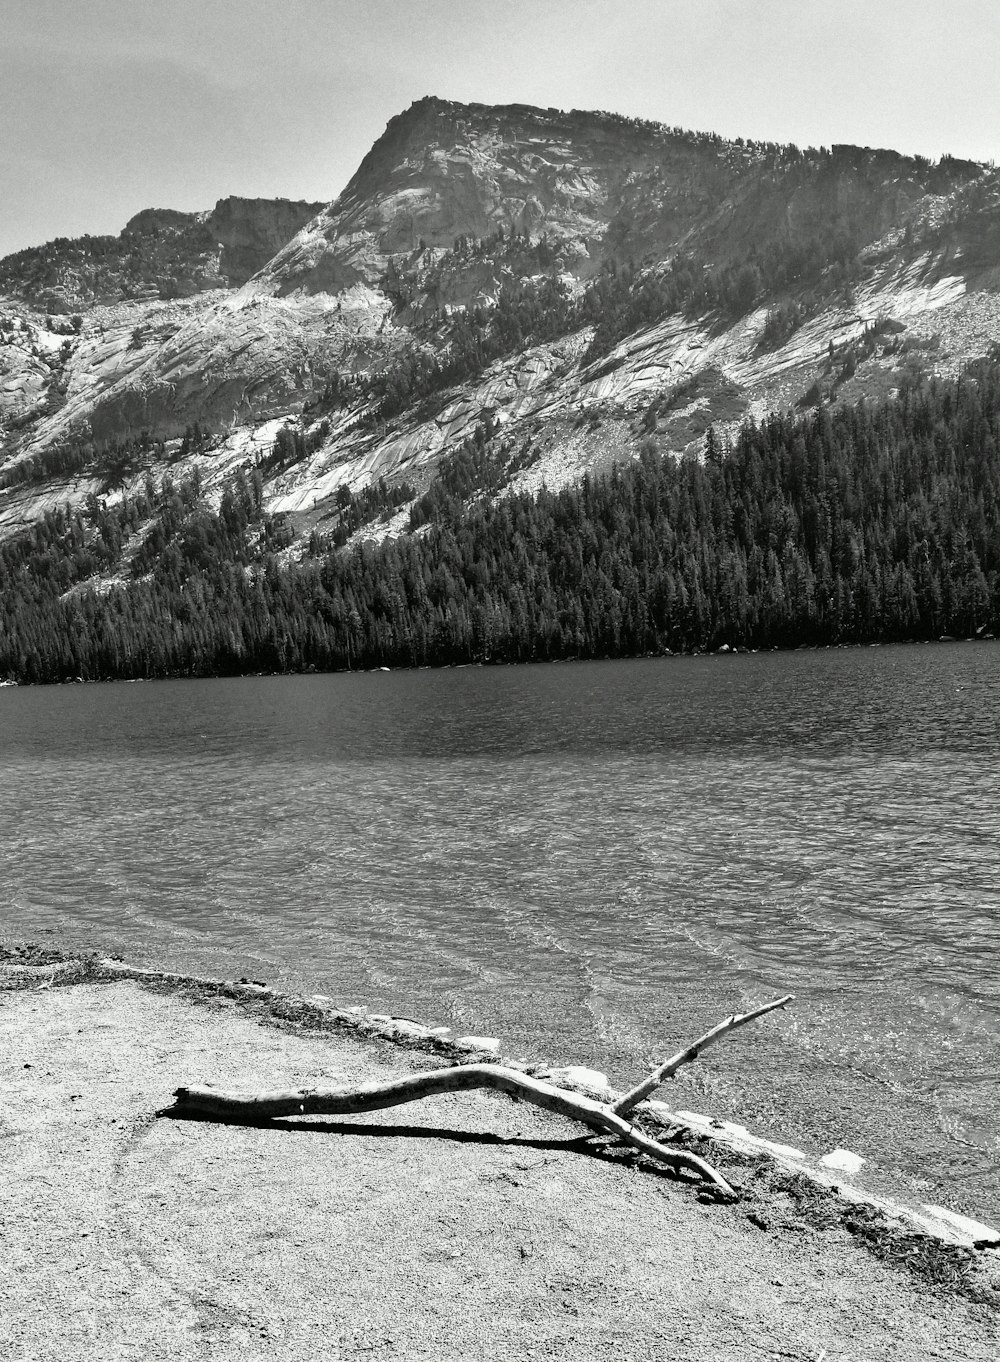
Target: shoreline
(765, 1088)
(29, 965)
(725, 650)
(465, 1226)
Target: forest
(877, 522)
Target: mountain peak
(588, 282)
(597, 185)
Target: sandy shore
(464, 1226)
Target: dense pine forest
(872, 523)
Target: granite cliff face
(594, 186)
(585, 282)
(443, 171)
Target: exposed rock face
(252, 231)
(240, 316)
(594, 184)
(161, 253)
(248, 231)
(445, 170)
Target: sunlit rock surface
(238, 318)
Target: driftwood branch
(670, 1066)
(207, 1101)
(611, 1120)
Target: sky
(110, 106)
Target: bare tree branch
(670, 1066)
(207, 1101)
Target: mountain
(579, 286)
(159, 254)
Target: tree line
(876, 522)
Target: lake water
(595, 862)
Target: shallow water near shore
(595, 862)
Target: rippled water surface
(595, 862)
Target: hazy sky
(109, 106)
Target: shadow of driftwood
(605, 1149)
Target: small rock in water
(843, 1160)
(479, 1043)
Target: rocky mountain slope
(577, 285)
(159, 254)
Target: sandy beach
(463, 1226)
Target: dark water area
(595, 862)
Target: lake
(595, 862)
